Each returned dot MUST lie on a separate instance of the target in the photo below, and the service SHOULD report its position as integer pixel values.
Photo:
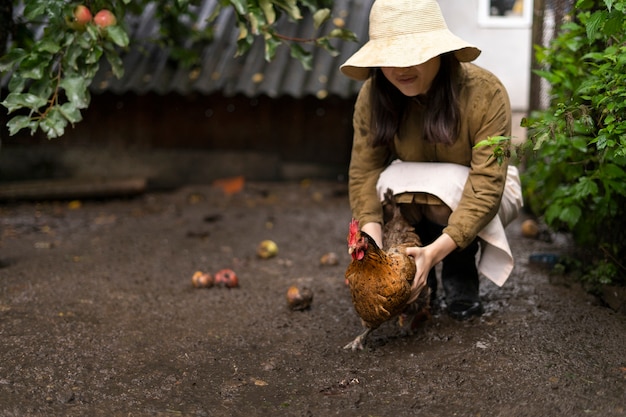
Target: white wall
(506, 51)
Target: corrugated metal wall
(149, 68)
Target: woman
(424, 106)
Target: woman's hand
(426, 257)
(421, 274)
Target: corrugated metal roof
(149, 69)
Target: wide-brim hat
(403, 33)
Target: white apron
(446, 181)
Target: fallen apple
(226, 277)
(329, 259)
(299, 299)
(104, 18)
(202, 280)
(530, 228)
(267, 249)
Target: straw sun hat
(403, 33)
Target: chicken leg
(357, 343)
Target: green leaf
(256, 19)
(579, 143)
(72, 54)
(91, 34)
(290, 6)
(17, 83)
(594, 24)
(494, 141)
(325, 43)
(320, 17)
(271, 44)
(268, 10)
(42, 88)
(614, 24)
(585, 188)
(76, 91)
(118, 36)
(243, 46)
(12, 58)
(241, 6)
(81, 42)
(302, 55)
(47, 45)
(18, 123)
(71, 112)
(552, 213)
(243, 31)
(34, 9)
(344, 34)
(612, 170)
(570, 215)
(53, 125)
(549, 76)
(94, 55)
(117, 65)
(16, 101)
(244, 40)
(33, 67)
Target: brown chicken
(380, 280)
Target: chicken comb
(354, 228)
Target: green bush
(575, 176)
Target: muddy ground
(98, 318)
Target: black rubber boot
(459, 277)
(432, 284)
(428, 233)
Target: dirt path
(98, 317)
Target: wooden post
(534, 102)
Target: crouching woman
(419, 114)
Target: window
(505, 13)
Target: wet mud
(98, 317)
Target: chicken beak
(350, 250)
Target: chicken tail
(396, 229)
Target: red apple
(227, 277)
(80, 17)
(104, 18)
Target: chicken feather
(380, 279)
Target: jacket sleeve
(366, 164)
(485, 184)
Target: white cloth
(446, 181)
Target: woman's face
(415, 80)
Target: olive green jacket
(485, 112)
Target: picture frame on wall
(505, 13)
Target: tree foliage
(52, 57)
(576, 176)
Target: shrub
(576, 177)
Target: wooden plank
(71, 188)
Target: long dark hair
(440, 105)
